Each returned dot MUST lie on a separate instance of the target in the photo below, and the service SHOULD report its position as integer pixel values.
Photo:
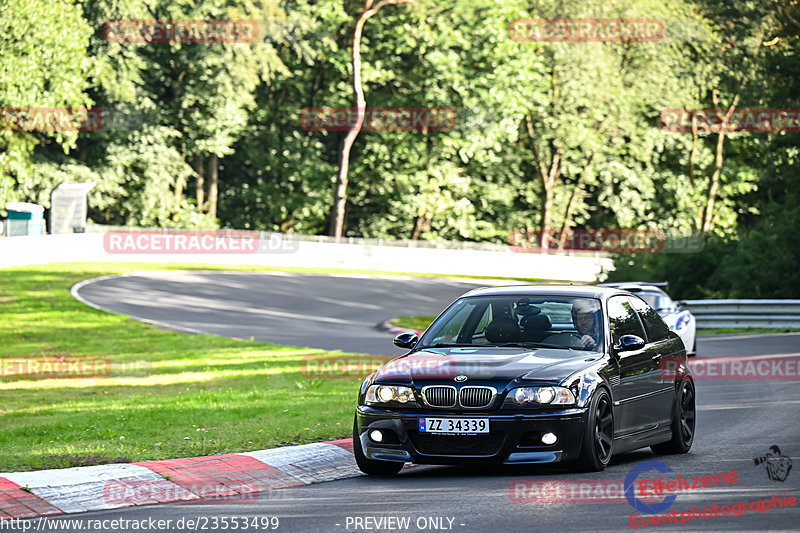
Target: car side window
(657, 330)
(623, 320)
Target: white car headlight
(542, 395)
(682, 322)
(382, 394)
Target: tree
(191, 100)
(589, 130)
(340, 198)
(44, 64)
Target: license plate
(457, 426)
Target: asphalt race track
(317, 311)
(737, 420)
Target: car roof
(634, 287)
(587, 291)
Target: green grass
(721, 331)
(168, 394)
(420, 323)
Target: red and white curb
(394, 330)
(212, 479)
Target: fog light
(377, 436)
(549, 438)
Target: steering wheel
(569, 339)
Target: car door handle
(656, 356)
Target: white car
(679, 320)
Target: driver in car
(584, 316)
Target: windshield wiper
(532, 345)
(502, 345)
(448, 345)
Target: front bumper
(514, 437)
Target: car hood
(481, 364)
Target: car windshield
(563, 322)
(662, 303)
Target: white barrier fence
(769, 314)
(279, 251)
(393, 257)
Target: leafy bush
(759, 262)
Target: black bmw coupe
(529, 374)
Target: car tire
(371, 466)
(694, 348)
(598, 436)
(684, 414)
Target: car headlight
(682, 322)
(542, 395)
(381, 394)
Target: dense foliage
(548, 134)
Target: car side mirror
(629, 343)
(406, 339)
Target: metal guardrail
(768, 314)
